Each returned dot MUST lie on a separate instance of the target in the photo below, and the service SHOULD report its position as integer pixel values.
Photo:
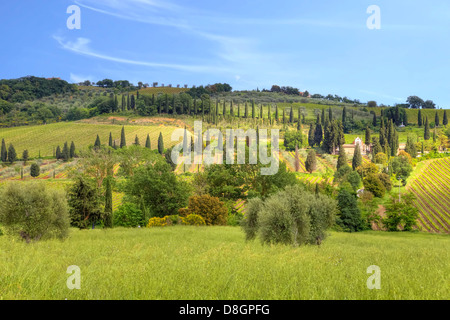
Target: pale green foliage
(34, 212)
(293, 216)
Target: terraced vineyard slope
(432, 189)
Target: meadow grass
(198, 263)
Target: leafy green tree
(401, 215)
(374, 185)
(401, 167)
(349, 216)
(128, 215)
(157, 190)
(33, 212)
(354, 179)
(12, 156)
(293, 138)
(35, 170)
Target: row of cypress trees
(123, 142)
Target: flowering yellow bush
(157, 222)
(194, 220)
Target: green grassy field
(216, 263)
(46, 137)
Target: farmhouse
(350, 148)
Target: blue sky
(320, 46)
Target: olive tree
(32, 211)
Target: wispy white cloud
(81, 46)
(76, 78)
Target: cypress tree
(231, 109)
(311, 136)
(405, 118)
(97, 143)
(72, 150)
(12, 156)
(419, 118)
(411, 147)
(357, 158)
(195, 106)
(323, 117)
(368, 138)
(123, 103)
(4, 152)
(436, 119)
(261, 111)
(330, 114)
(65, 152)
(116, 104)
(318, 135)
(284, 116)
(299, 125)
(253, 109)
(344, 115)
(296, 159)
(291, 116)
(136, 141)
(434, 135)
(108, 219)
(422, 150)
(224, 109)
(174, 109)
(342, 159)
(311, 162)
(148, 143)
(128, 102)
(374, 121)
(276, 114)
(160, 144)
(427, 130)
(110, 140)
(246, 110)
(25, 156)
(35, 170)
(445, 120)
(123, 141)
(132, 102)
(58, 153)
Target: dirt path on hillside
(382, 213)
